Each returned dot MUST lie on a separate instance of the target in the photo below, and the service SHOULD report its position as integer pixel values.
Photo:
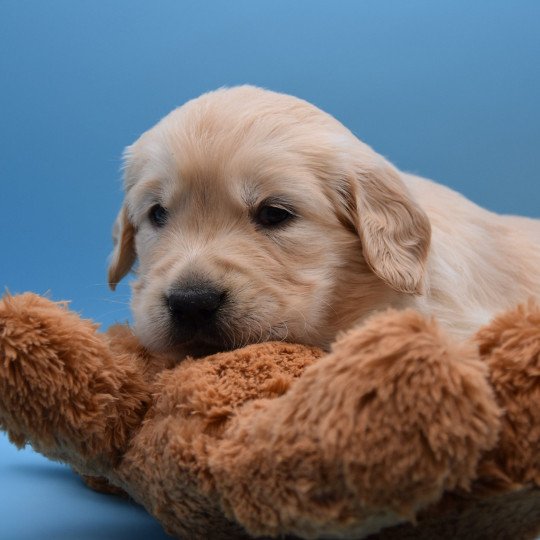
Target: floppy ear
(123, 255)
(395, 232)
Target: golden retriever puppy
(255, 216)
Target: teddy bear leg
(510, 347)
(102, 485)
(378, 429)
(61, 388)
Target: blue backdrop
(447, 89)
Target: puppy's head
(255, 216)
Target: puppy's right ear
(123, 255)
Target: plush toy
(398, 432)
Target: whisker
(327, 304)
(115, 302)
(103, 314)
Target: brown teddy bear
(398, 432)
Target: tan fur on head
(358, 240)
(364, 235)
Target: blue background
(447, 89)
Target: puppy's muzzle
(194, 311)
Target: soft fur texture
(400, 431)
(365, 236)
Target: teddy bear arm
(372, 433)
(62, 389)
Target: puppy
(255, 216)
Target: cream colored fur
(366, 236)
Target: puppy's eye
(158, 215)
(271, 216)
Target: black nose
(195, 305)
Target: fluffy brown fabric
(399, 432)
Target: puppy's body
(480, 263)
(261, 217)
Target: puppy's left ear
(123, 256)
(395, 232)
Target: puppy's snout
(196, 304)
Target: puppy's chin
(199, 349)
(195, 342)
(198, 341)
(160, 333)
